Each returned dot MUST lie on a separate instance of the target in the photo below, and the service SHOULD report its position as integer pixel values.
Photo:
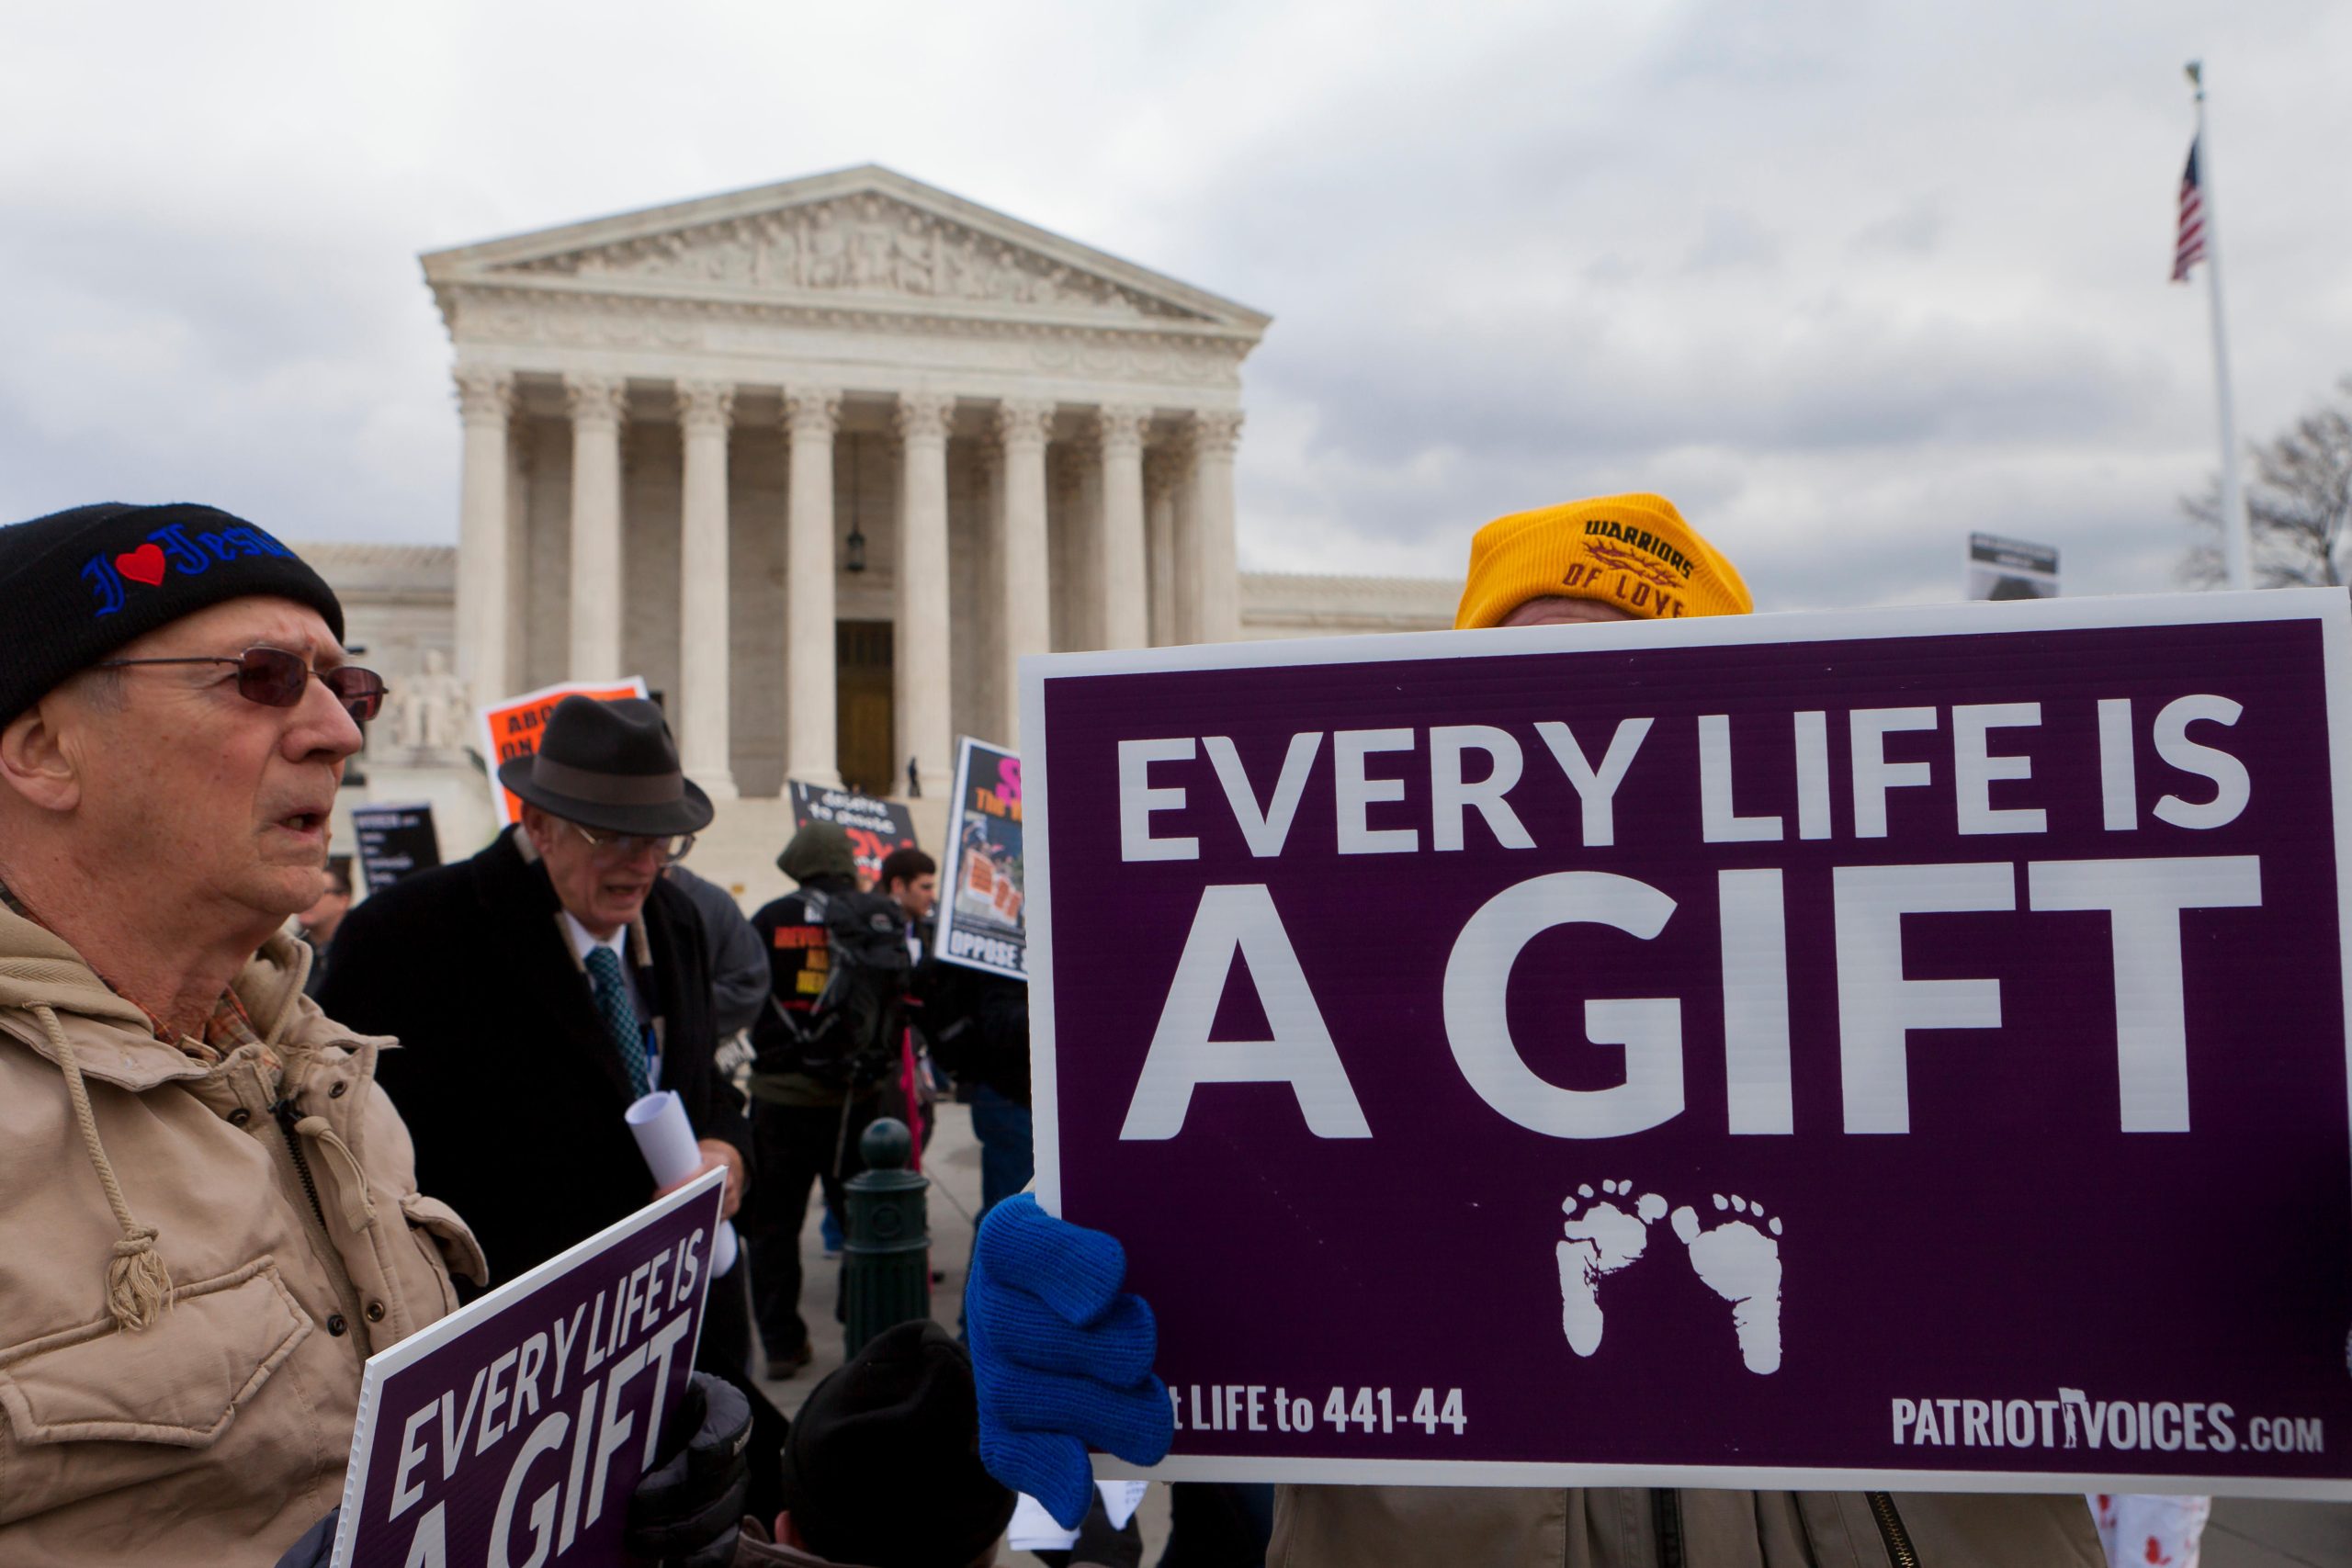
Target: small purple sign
(514, 1429)
(1895, 1049)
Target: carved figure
(431, 709)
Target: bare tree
(2299, 508)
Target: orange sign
(511, 728)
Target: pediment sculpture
(865, 244)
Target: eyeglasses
(275, 679)
(669, 848)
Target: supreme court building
(823, 459)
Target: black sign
(394, 841)
(874, 826)
(2010, 568)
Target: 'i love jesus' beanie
(1631, 551)
(80, 584)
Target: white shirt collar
(583, 939)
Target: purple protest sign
(1899, 1049)
(515, 1429)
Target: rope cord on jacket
(290, 1000)
(351, 1178)
(138, 1286)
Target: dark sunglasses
(277, 678)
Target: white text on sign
(1878, 1007)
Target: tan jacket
(218, 1433)
(1366, 1527)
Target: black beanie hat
(882, 1465)
(80, 584)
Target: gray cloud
(1846, 282)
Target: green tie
(619, 1014)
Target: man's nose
(322, 724)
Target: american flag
(2189, 248)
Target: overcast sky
(1844, 280)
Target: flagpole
(2236, 540)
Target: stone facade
(1278, 605)
(726, 444)
(820, 461)
(399, 604)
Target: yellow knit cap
(1632, 551)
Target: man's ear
(35, 762)
(535, 827)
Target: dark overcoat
(506, 1075)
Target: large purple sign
(514, 1430)
(1899, 1049)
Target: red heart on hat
(144, 564)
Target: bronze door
(863, 711)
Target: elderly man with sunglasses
(198, 1167)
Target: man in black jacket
(738, 965)
(809, 1106)
(978, 1028)
(542, 986)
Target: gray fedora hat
(611, 765)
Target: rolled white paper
(666, 1139)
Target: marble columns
(994, 701)
(1027, 613)
(706, 409)
(1215, 576)
(485, 401)
(1123, 615)
(597, 405)
(919, 647)
(1144, 522)
(1161, 487)
(811, 415)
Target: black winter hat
(79, 584)
(882, 1465)
(819, 849)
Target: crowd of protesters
(193, 1013)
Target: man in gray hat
(545, 984)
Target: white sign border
(2331, 608)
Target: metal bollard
(886, 1255)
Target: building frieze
(785, 333)
(865, 244)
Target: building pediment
(864, 238)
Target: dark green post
(886, 1255)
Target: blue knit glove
(1062, 1357)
